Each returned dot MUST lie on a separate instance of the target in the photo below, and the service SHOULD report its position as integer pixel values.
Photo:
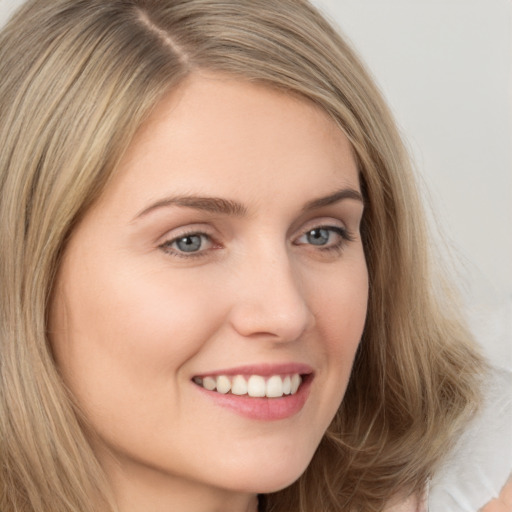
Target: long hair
(78, 78)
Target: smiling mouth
(257, 386)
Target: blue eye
(325, 238)
(188, 244)
(318, 236)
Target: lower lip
(265, 409)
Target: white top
(481, 462)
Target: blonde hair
(79, 77)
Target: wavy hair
(78, 78)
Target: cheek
(341, 314)
(123, 347)
(134, 326)
(343, 305)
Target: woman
(215, 279)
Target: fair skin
(503, 503)
(226, 244)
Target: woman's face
(225, 252)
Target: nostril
(268, 300)
(272, 320)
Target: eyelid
(340, 230)
(193, 228)
(174, 236)
(333, 225)
(205, 230)
(322, 222)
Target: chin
(270, 477)
(277, 484)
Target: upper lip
(265, 370)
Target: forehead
(217, 135)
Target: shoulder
(476, 471)
(503, 502)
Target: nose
(270, 300)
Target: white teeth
(296, 380)
(239, 386)
(209, 383)
(254, 385)
(287, 385)
(223, 384)
(274, 387)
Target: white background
(445, 68)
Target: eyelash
(167, 245)
(344, 237)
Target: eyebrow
(234, 208)
(208, 204)
(340, 195)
